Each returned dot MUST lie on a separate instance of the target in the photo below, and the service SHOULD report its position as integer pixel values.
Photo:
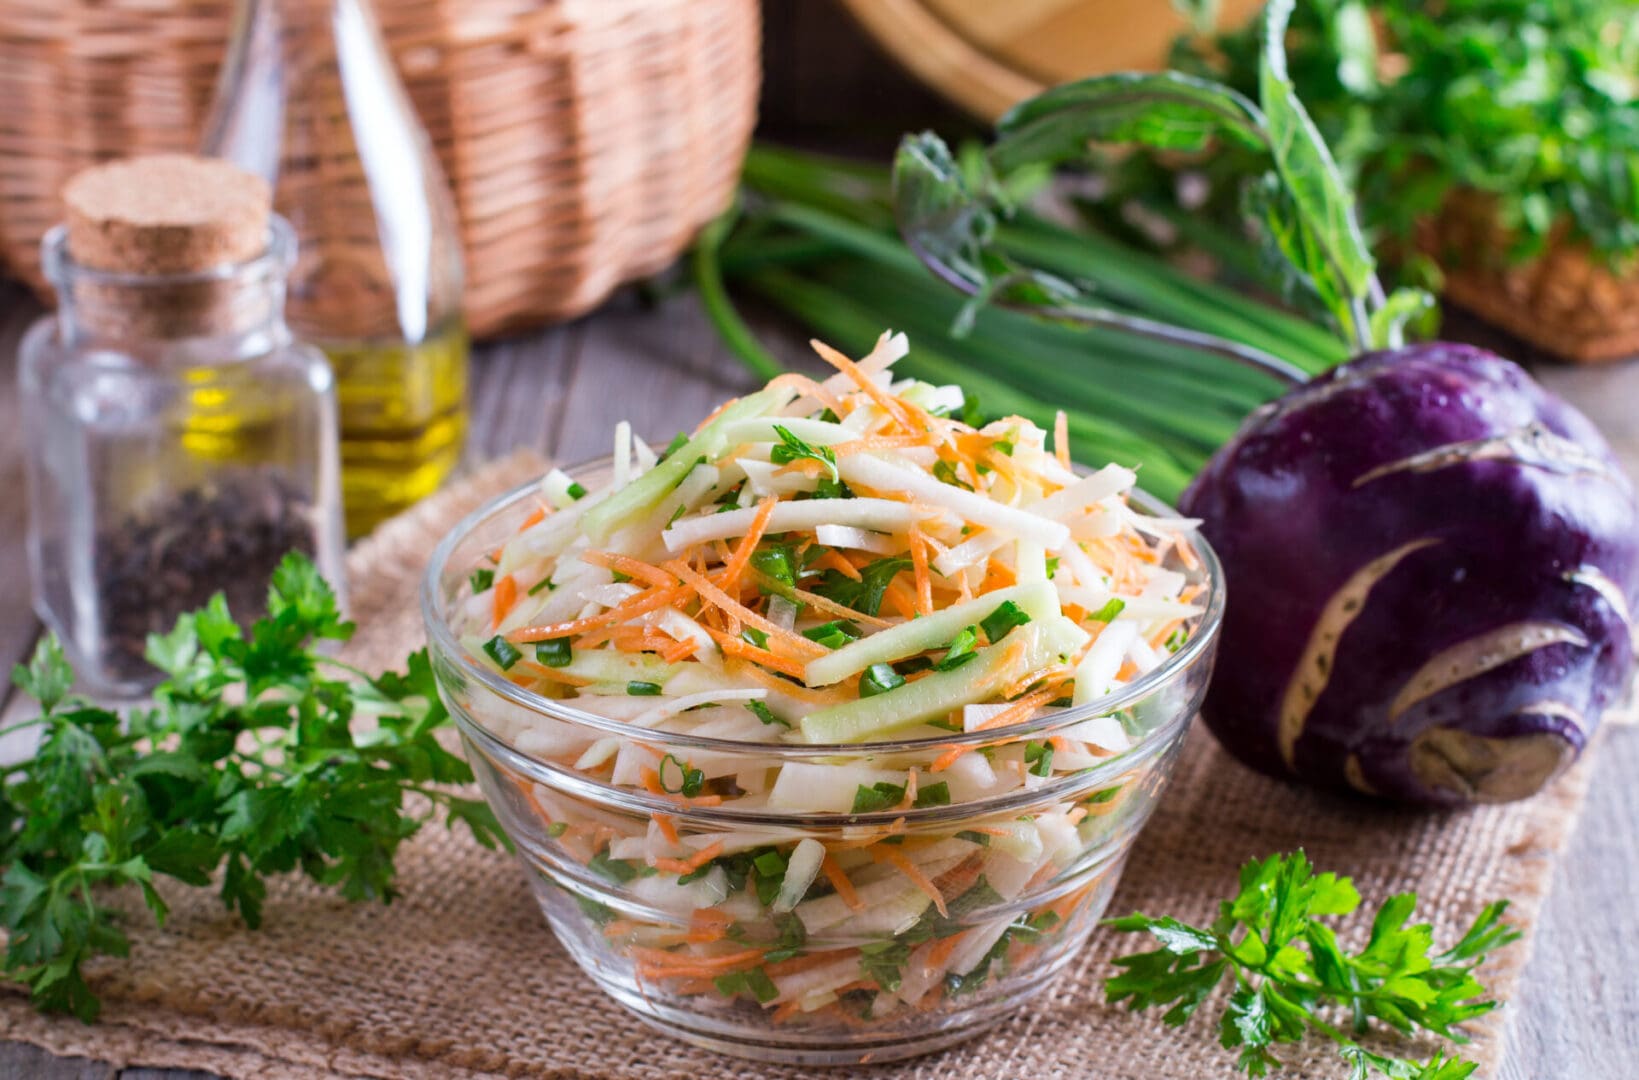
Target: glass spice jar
(309, 100)
(180, 441)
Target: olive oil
(403, 412)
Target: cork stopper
(165, 214)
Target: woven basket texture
(1563, 301)
(585, 140)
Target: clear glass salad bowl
(816, 938)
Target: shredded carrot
(795, 964)
(833, 559)
(693, 862)
(1019, 710)
(651, 781)
(730, 577)
(839, 881)
(641, 604)
(533, 519)
(669, 964)
(1061, 438)
(1159, 638)
(902, 599)
(939, 953)
(872, 443)
(896, 408)
(619, 928)
(786, 1011)
(1187, 556)
(1074, 817)
(745, 650)
(711, 594)
(667, 827)
(894, 857)
(506, 595)
(550, 674)
(948, 758)
(809, 388)
(636, 569)
(919, 564)
(680, 650)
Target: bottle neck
(229, 313)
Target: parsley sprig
(247, 764)
(1287, 965)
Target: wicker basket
(1561, 301)
(585, 140)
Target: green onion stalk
(814, 237)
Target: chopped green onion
(834, 634)
(544, 583)
(1039, 757)
(1052, 566)
(974, 837)
(879, 796)
(617, 870)
(755, 637)
(692, 779)
(1110, 610)
(1004, 618)
(576, 492)
(557, 829)
(481, 579)
(879, 679)
(554, 652)
(777, 563)
(960, 650)
(503, 652)
(637, 688)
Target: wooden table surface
(561, 391)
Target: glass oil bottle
(310, 101)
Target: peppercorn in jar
(180, 441)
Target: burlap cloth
(461, 978)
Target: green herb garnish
(960, 650)
(244, 765)
(1038, 756)
(1112, 607)
(1004, 618)
(864, 595)
(503, 652)
(833, 635)
(1287, 964)
(879, 679)
(554, 652)
(639, 688)
(764, 713)
(481, 579)
(576, 491)
(945, 472)
(879, 796)
(690, 780)
(791, 448)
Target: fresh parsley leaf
(790, 448)
(1287, 963)
(932, 795)
(245, 764)
(864, 595)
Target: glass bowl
(924, 923)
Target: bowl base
(720, 1034)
